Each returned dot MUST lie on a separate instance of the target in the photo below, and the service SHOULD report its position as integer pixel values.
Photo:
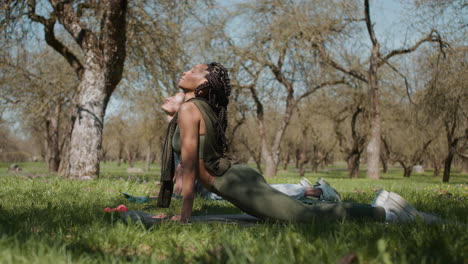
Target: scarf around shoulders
(167, 166)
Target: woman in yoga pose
(302, 191)
(198, 138)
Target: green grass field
(47, 219)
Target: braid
(216, 93)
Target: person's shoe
(403, 211)
(380, 198)
(304, 182)
(328, 193)
(400, 211)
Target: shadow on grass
(31, 220)
(35, 227)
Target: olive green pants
(247, 189)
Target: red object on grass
(121, 208)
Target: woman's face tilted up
(193, 78)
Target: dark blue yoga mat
(148, 221)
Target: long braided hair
(216, 93)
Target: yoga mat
(148, 221)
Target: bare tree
(370, 77)
(278, 61)
(308, 137)
(408, 136)
(10, 145)
(98, 30)
(115, 137)
(352, 146)
(446, 99)
(40, 92)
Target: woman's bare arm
(189, 125)
(178, 180)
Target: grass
(47, 219)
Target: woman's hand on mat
(159, 216)
(175, 218)
(162, 216)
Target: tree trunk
(436, 166)
(286, 161)
(131, 156)
(148, 157)
(304, 157)
(270, 167)
(303, 161)
(448, 166)
(86, 138)
(52, 143)
(302, 169)
(353, 165)
(257, 157)
(271, 155)
(104, 55)
(316, 159)
(268, 154)
(65, 151)
(384, 155)
(407, 171)
(104, 154)
(258, 163)
(315, 166)
(298, 157)
(384, 165)
(52, 155)
(119, 154)
(436, 170)
(373, 148)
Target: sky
(387, 17)
(385, 14)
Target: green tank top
(176, 144)
(207, 144)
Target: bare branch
(281, 58)
(52, 41)
(257, 101)
(433, 36)
(317, 87)
(11, 101)
(326, 57)
(35, 17)
(406, 82)
(276, 70)
(113, 38)
(237, 125)
(70, 20)
(369, 25)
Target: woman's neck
(189, 95)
